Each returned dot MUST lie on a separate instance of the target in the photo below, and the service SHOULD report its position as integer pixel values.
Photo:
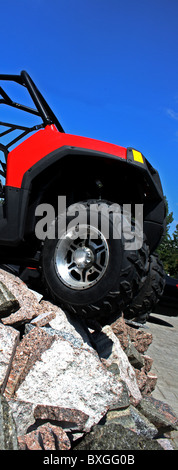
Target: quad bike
(91, 276)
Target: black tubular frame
(42, 110)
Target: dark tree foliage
(168, 249)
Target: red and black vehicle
(93, 278)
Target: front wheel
(88, 273)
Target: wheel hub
(83, 257)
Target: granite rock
(120, 329)
(45, 437)
(146, 381)
(61, 377)
(9, 339)
(111, 352)
(140, 338)
(8, 434)
(132, 419)
(8, 302)
(165, 444)
(27, 353)
(68, 418)
(159, 413)
(143, 426)
(23, 415)
(29, 307)
(69, 377)
(135, 358)
(116, 437)
(48, 313)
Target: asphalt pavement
(164, 352)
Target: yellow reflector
(137, 156)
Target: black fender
(14, 213)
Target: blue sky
(108, 68)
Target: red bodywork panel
(45, 141)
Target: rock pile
(66, 386)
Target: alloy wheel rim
(81, 261)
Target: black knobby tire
(149, 295)
(105, 299)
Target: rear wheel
(149, 295)
(90, 274)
